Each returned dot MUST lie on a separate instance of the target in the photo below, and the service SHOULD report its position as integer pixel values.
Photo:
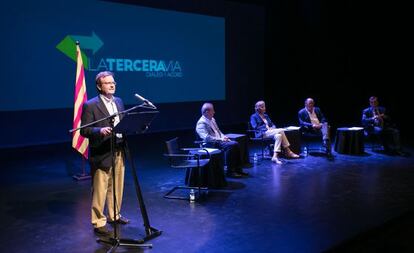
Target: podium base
(116, 242)
(81, 176)
(151, 233)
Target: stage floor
(305, 205)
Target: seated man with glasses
(100, 155)
(377, 121)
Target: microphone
(145, 100)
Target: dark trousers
(243, 141)
(390, 137)
(231, 151)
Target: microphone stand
(116, 241)
(143, 105)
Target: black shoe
(247, 165)
(122, 221)
(401, 153)
(234, 175)
(102, 231)
(244, 174)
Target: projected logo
(152, 68)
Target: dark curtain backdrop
(340, 53)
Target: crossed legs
(280, 141)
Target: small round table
(293, 135)
(350, 140)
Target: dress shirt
(313, 117)
(112, 109)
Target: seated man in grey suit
(209, 132)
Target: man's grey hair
(206, 107)
(258, 103)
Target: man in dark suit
(376, 121)
(209, 132)
(312, 120)
(100, 155)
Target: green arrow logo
(68, 46)
(92, 42)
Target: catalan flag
(79, 142)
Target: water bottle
(192, 195)
(266, 151)
(305, 151)
(255, 158)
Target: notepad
(292, 128)
(355, 128)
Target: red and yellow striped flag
(79, 142)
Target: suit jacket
(304, 118)
(259, 125)
(99, 146)
(367, 117)
(205, 131)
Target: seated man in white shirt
(209, 132)
(312, 120)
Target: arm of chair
(179, 155)
(207, 153)
(255, 132)
(176, 158)
(200, 143)
(198, 151)
(185, 160)
(191, 149)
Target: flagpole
(83, 175)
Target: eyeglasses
(109, 83)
